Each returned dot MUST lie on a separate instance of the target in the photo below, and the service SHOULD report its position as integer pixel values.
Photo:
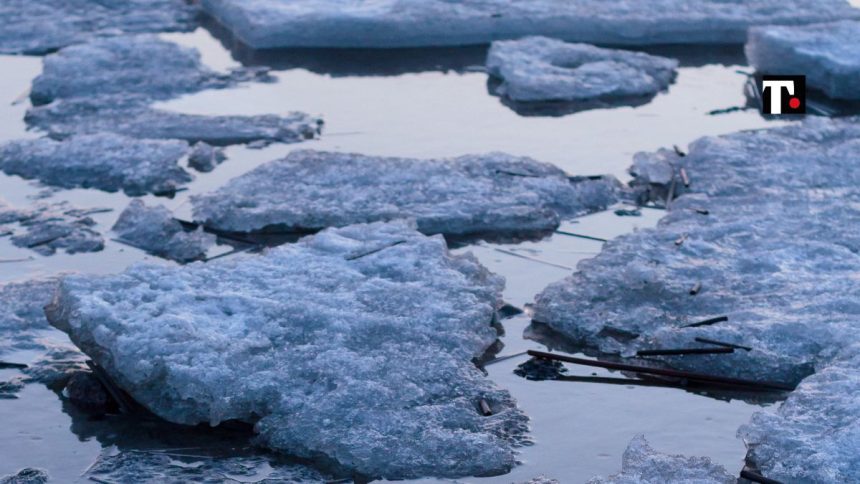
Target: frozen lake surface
(427, 104)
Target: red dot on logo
(794, 103)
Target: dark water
(425, 104)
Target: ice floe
(205, 157)
(407, 23)
(492, 193)
(105, 161)
(28, 475)
(827, 54)
(641, 464)
(28, 27)
(542, 69)
(355, 345)
(154, 230)
(45, 228)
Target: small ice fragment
(205, 157)
(48, 227)
(154, 230)
(27, 475)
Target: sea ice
(827, 54)
(105, 161)
(494, 193)
(154, 230)
(542, 69)
(766, 229)
(28, 27)
(205, 157)
(28, 475)
(409, 23)
(641, 464)
(48, 227)
(355, 345)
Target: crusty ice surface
(40, 27)
(45, 228)
(105, 161)
(543, 69)
(410, 23)
(641, 464)
(354, 344)
(471, 194)
(827, 54)
(154, 230)
(109, 85)
(768, 228)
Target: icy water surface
(419, 104)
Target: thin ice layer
(310, 190)
(409, 23)
(641, 464)
(767, 238)
(154, 230)
(39, 27)
(827, 54)
(105, 161)
(814, 435)
(45, 228)
(354, 344)
(543, 69)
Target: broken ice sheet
(154, 230)
(756, 230)
(28, 27)
(827, 54)
(354, 344)
(406, 23)
(105, 161)
(643, 464)
(45, 228)
(492, 193)
(541, 69)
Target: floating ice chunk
(354, 344)
(766, 228)
(813, 436)
(128, 65)
(205, 157)
(48, 227)
(827, 54)
(28, 475)
(157, 466)
(542, 69)
(134, 117)
(154, 230)
(28, 27)
(641, 464)
(105, 161)
(407, 23)
(494, 193)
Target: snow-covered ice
(27, 475)
(766, 227)
(109, 85)
(355, 344)
(154, 230)
(641, 464)
(543, 69)
(409, 23)
(106, 161)
(45, 228)
(492, 193)
(28, 27)
(827, 54)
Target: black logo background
(799, 93)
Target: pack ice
(407, 23)
(45, 228)
(36, 28)
(105, 161)
(353, 345)
(109, 85)
(543, 69)
(154, 230)
(643, 464)
(310, 190)
(827, 54)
